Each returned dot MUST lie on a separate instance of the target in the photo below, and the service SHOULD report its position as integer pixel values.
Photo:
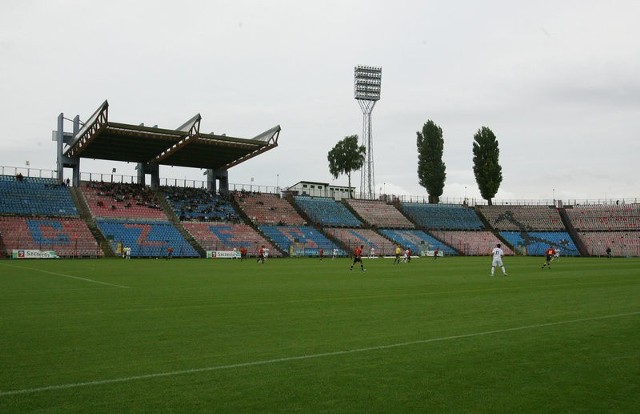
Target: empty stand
(471, 243)
(145, 238)
(622, 243)
(299, 240)
(227, 236)
(535, 243)
(353, 237)
(327, 212)
(68, 237)
(418, 241)
(605, 217)
(443, 216)
(522, 218)
(380, 214)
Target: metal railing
(27, 171)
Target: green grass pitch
(301, 335)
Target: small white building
(317, 189)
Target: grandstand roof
(183, 147)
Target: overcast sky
(558, 82)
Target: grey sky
(556, 81)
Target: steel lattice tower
(367, 84)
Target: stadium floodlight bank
(367, 86)
(368, 81)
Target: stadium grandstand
(99, 216)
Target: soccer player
(549, 254)
(397, 259)
(321, 253)
(335, 253)
(436, 252)
(357, 257)
(261, 254)
(497, 254)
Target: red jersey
(550, 251)
(357, 252)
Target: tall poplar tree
(431, 168)
(346, 156)
(486, 166)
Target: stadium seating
(122, 201)
(270, 209)
(327, 212)
(605, 217)
(200, 204)
(418, 241)
(68, 237)
(522, 218)
(535, 243)
(299, 240)
(443, 216)
(471, 243)
(622, 243)
(353, 237)
(380, 214)
(35, 197)
(145, 238)
(227, 236)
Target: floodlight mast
(367, 85)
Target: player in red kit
(357, 257)
(550, 253)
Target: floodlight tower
(367, 83)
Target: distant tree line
(347, 156)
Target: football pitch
(303, 335)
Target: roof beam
(91, 129)
(192, 126)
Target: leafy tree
(486, 167)
(431, 169)
(345, 157)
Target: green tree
(431, 168)
(486, 166)
(345, 157)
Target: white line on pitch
(301, 357)
(70, 276)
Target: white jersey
(497, 254)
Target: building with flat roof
(318, 189)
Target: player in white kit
(497, 254)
